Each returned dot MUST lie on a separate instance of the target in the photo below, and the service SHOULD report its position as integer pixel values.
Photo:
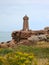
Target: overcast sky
(13, 11)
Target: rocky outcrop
(21, 35)
(7, 44)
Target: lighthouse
(25, 23)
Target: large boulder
(3, 45)
(25, 42)
(11, 43)
(37, 38)
(33, 39)
(42, 37)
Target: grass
(40, 53)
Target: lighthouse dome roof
(25, 17)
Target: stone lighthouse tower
(25, 23)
